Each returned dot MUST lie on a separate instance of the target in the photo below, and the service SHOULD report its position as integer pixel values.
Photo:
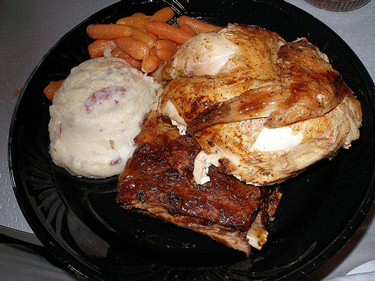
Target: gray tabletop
(30, 28)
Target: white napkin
(364, 272)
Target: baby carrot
(153, 51)
(52, 88)
(118, 53)
(187, 28)
(138, 14)
(196, 25)
(165, 49)
(139, 34)
(133, 47)
(150, 63)
(164, 54)
(135, 21)
(108, 31)
(168, 31)
(166, 44)
(133, 62)
(163, 15)
(96, 49)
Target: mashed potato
(96, 114)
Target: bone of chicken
(268, 110)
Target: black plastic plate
(79, 221)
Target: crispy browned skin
(264, 77)
(265, 87)
(307, 87)
(252, 64)
(159, 180)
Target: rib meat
(158, 180)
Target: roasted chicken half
(262, 109)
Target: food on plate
(168, 31)
(262, 109)
(136, 38)
(241, 108)
(150, 63)
(96, 49)
(240, 111)
(140, 20)
(95, 115)
(133, 47)
(108, 31)
(164, 49)
(163, 15)
(51, 89)
(196, 25)
(158, 181)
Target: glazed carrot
(150, 63)
(108, 31)
(139, 34)
(52, 88)
(138, 14)
(163, 15)
(152, 35)
(165, 49)
(118, 53)
(164, 54)
(133, 47)
(96, 49)
(167, 31)
(187, 28)
(153, 51)
(166, 44)
(134, 21)
(196, 25)
(133, 62)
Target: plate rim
(344, 236)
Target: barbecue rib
(158, 180)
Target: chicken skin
(262, 109)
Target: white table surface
(30, 28)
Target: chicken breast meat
(262, 109)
